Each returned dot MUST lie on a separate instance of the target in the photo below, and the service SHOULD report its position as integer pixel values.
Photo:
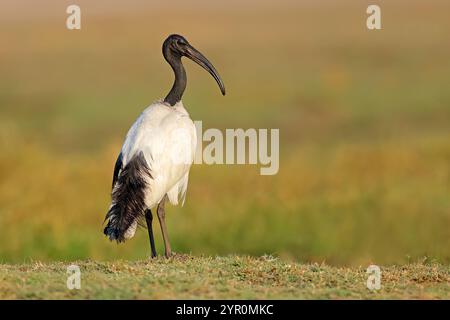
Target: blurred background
(364, 119)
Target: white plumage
(167, 137)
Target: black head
(176, 46)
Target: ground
(239, 277)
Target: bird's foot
(170, 254)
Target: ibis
(154, 162)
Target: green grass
(236, 277)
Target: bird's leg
(161, 216)
(149, 220)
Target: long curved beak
(201, 60)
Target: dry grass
(189, 277)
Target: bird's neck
(179, 84)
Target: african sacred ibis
(155, 159)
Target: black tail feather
(128, 198)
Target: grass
(237, 277)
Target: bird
(154, 161)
